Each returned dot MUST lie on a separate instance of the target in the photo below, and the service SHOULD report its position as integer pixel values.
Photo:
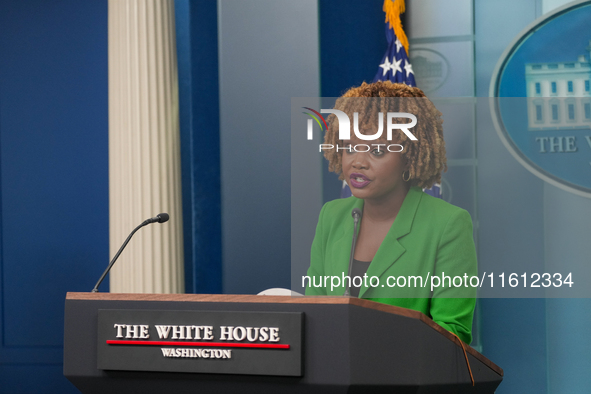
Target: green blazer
(428, 238)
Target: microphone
(160, 218)
(356, 213)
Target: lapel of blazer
(390, 250)
(341, 248)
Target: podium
(319, 345)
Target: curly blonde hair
(425, 157)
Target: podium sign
(247, 343)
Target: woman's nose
(360, 161)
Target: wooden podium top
(233, 298)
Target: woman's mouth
(359, 181)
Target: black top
(359, 269)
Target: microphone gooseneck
(160, 218)
(356, 213)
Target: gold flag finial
(393, 9)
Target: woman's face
(375, 174)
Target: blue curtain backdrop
(53, 179)
(197, 51)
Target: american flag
(395, 66)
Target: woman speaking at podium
(415, 248)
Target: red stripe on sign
(208, 344)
